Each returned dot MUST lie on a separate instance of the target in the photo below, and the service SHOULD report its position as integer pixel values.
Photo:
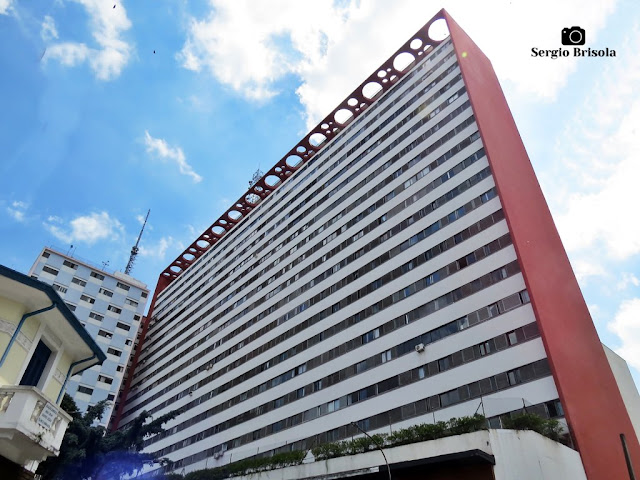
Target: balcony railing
(31, 426)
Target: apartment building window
(71, 306)
(485, 348)
(144, 294)
(127, 342)
(78, 281)
(136, 318)
(512, 338)
(59, 288)
(131, 302)
(105, 334)
(113, 351)
(69, 264)
(85, 390)
(120, 368)
(50, 270)
(105, 379)
(96, 316)
(386, 356)
(97, 275)
(111, 397)
(45, 254)
(369, 336)
(123, 286)
(123, 326)
(105, 292)
(114, 309)
(88, 299)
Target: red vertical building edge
(593, 405)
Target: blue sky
(172, 105)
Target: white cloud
(160, 148)
(140, 219)
(160, 249)
(48, 30)
(5, 6)
(107, 27)
(17, 210)
(584, 269)
(626, 325)
(598, 154)
(250, 46)
(87, 229)
(627, 279)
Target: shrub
(430, 431)
(528, 421)
(458, 426)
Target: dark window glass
(36, 365)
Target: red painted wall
(163, 282)
(588, 391)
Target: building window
(120, 368)
(369, 336)
(485, 348)
(144, 294)
(71, 306)
(128, 301)
(110, 397)
(86, 390)
(114, 309)
(136, 318)
(123, 286)
(127, 342)
(59, 288)
(97, 275)
(78, 281)
(113, 351)
(105, 379)
(514, 377)
(106, 292)
(123, 326)
(87, 299)
(96, 316)
(69, 264)
(45, 254)
(317, 385)
(385, 356)
(105, 334)
(300, 393)
(50, 270)
(36, 365)
(512, 338)
(333, 406)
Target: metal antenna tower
(134, 249)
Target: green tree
(89, 452)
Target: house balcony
(31, 427)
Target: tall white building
(110, 305)
(399, 265)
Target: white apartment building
(403, 268)
(110, 305)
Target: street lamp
(377, 446)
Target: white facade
(110, 306)
(377, 285)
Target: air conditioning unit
(420, 348)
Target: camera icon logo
(573, 36)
